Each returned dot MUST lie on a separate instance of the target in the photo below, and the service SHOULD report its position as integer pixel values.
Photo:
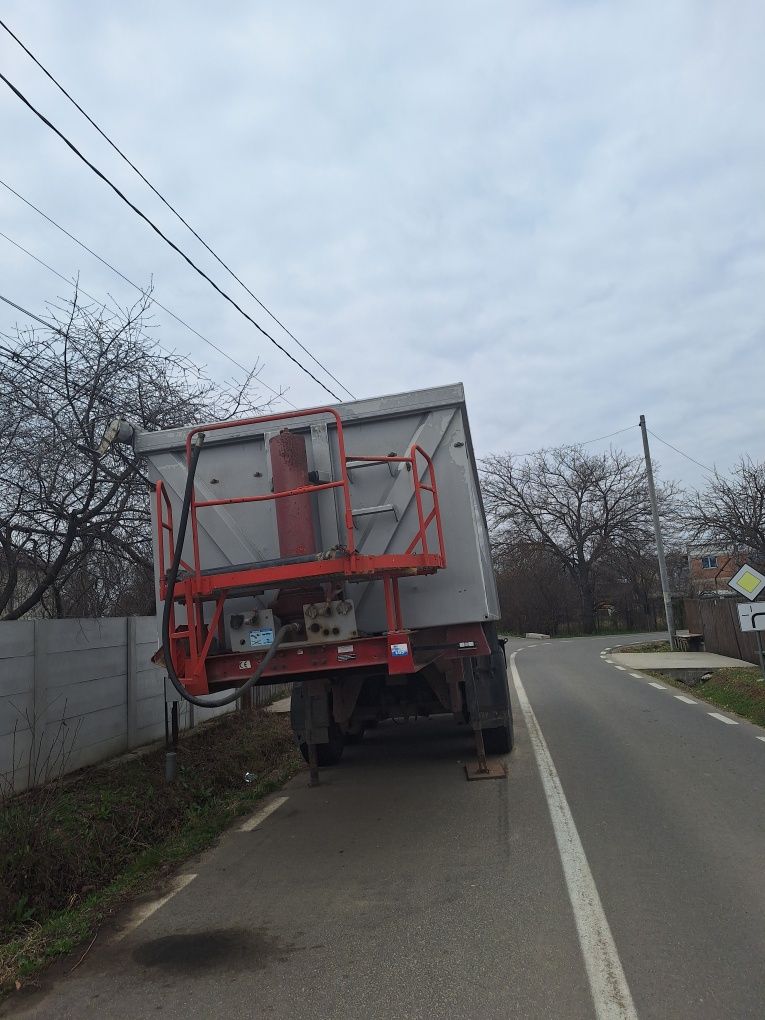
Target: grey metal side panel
(236, 463)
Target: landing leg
(482, 768)
(313, 766)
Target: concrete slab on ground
(676, 660)
(281, 707)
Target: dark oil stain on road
(218, 948)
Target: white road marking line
(638, 676)
(260, 816)
(723, 718)
(610, 992)
(688, 701)
(659, 687)
(622, 668)
(140, 914)
(760, 738)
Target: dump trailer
(341, 549)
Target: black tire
(328, 754)
(498, 740)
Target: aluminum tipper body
(348, 545)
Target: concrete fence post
(39, 706)
(131, 688)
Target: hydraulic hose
(172, 577)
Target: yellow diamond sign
(748, 581)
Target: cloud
(561, 204)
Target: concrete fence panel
(77, 692)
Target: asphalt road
(399, 890)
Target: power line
(682, 454)
(71, 282)
(31, 315)
(18, 355)
(164, 236)
(61, 276)
(610, 434)
(586, 443)
(172, 208)
(136, 286)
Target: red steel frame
(191, 643)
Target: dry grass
(70, 852)
(646, 646)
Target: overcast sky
(560, 204)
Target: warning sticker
(261, 638)
(397, 650)
(345, 653)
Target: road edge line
(260, 816)
(144, 911)
(610, 992)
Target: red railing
(435, 514)
(343, 483)
(419, 485)
(193, 640)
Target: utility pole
(659, 542)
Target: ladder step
(370, 511)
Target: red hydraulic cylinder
(294, 514)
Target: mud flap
(489, 711)
(310, 712)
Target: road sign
(748, 582)
(751, 615)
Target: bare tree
(74, 524)
(580, 508)
(730, 512)
(535, 592)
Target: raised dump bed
(344, 546)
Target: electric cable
(189, 261)
(99, 302)
(172, 577)
(687, 456)
(141, 290)
(610, 434)
(586, 443)
(31, 315)
(172, 208)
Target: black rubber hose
(172, 577)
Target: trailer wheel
(330, 753)
(354, 736)
(498, 740)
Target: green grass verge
(73, 852)
(738, 689)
